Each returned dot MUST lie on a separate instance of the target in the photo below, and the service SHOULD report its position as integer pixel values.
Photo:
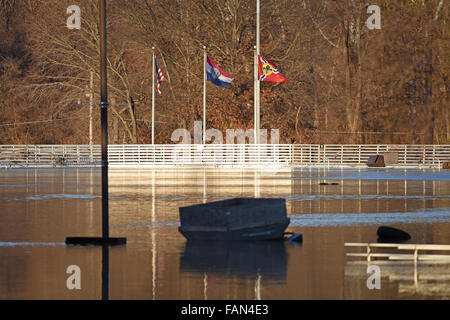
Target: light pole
(105, 239)
(104, 118)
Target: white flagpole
(153, 96)
(204, 95)
(257, 82)
(91, 104)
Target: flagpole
(204, 94)
(257, 82)
(255, 93)
(91, 106)
(153, 95)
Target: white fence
(217, 155)
(414, 256)
(430, 264)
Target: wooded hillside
(348, 84)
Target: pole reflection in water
(258, 287)
(205, 286)
(105, 272)
(366, 191)
(36, 208)
(153, 236)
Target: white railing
(392, 256)
(429, 262)
(217, 155)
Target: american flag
(159, 77)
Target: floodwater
(40, 208)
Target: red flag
(268, 72)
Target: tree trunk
(428, 97)
(354, 81)
(430, 110)
(133, 120)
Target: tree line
(348, 84)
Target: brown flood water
(40, 208)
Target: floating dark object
(96, 241)
(293, 237)
(389, 234)
(376, 161)
(446, 165)
(235, 219)
(329, 184)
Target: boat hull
(264, 232)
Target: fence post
(163, 157)
(434, 152)
(290, 153)
(153, 154)
(359, 154)
(404, 158)
(26, 155)
(318, 153)
(301, 154)
(424, 154)
(310, 154)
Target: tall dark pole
(104, 140)
(104, 118)
(105, 240)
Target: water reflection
(105, 272)
(244, 260)
(429, 280)
(39, 208)
(368, 191)
(258, 262)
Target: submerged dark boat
(238, 219)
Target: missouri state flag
(268, 72)
(217, 75)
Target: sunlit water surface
(40, 208)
